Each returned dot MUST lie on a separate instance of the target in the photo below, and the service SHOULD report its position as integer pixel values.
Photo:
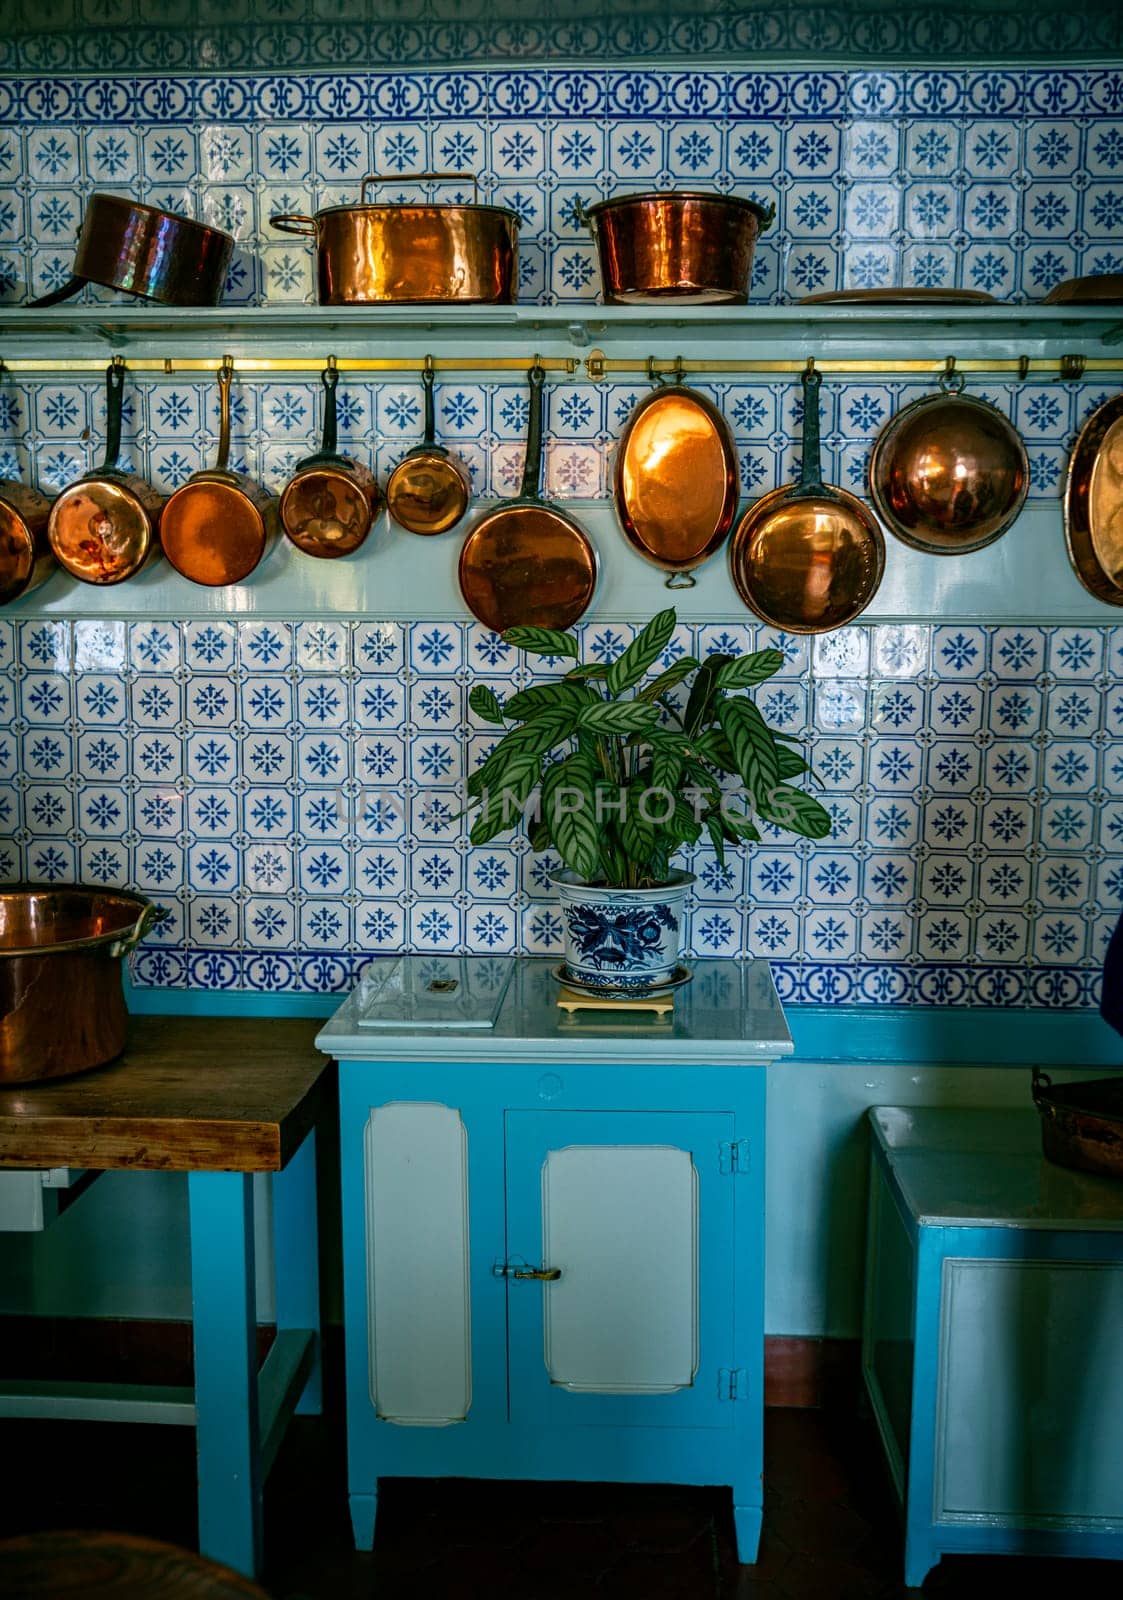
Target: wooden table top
(190, 1094)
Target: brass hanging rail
(172, 365)
(1068, 367)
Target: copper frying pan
(429, 490)
(330, 501)
(1093, 505)
(527, 563)
(676, 480)
(807, 558)
(26, 557)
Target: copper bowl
(26, 557)
(62, 1004)
(693, 247)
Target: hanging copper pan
(807, 558)
(1093, 505)
(219, 524)
(26, 557)
(330, 502)
(429, 489)
(676, 480)
(527, 562)
(949, 473)
(104, 528)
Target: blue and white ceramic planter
(622, 940)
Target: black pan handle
(330, 380)
(811, 472)
(532, 470)
(428, 379)
(114, 404)
(69, 289)
(225, 375)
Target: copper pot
(330, 501)
(62, 1007)
(949, 473)
(145, 251)
(26, 557)
(693, 247)
(412, 254)
(105, 527)
(429, 489)
(219, 524)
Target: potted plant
(617, 768)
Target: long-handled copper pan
(1093, 506)
(429, 489)
(808, 558)
(104, 528)
(330, 501)
(527, 563)
(676, 480)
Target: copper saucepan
(949, 473)
(527, 563)
(105, 527)
(145, 251)
(26, 557)
(429, 489)
(810, 558)
(1093, 503)
(330, 502)
(676, 480)
(219, 524)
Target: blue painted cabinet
(553, 1237)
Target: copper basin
(62, 1004)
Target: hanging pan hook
(951, 381)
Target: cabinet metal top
(503, 1008)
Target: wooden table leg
(296, 1260)
(228, 1433)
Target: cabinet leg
(746, 1524)
(364, 1509)
(296, 1259)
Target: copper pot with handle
(105, 527)
(26, 557)
(429, 489)
(329, 503)
(691, 246)
(219, 524)
(373, 253)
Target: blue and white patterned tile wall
(290, 791)
(1005, 181)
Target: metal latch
(734, 1156)
(519, 1270)
(732, 1383)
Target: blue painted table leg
(746, 1523)
(364, 1509)
(224, 1302)
(296, 1259)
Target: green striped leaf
(795, 810)
(644, 650)
(543, 696)
(569, 808)
(542, 641)
(702, 691)
(637, 834)
(791, 762)
(713, 746)
(502, 808)
(754, 749)
(589, 669)
(618, 716)
(717, 839)
(485, 703)
(740, 826)
(666, 681)
(744, 671)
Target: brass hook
(332, 364)
(653, 376)
(809, 369)
(1023, 368)
(168, 368)
(428, 367)
(538, 367)
(227, 367)
(1072, 368)
(679, 369)
(119, 363)
(951, 381)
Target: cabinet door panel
(417, 1264)
(635, 1212)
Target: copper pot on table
(329, 503)
(26, 557)
(105, 527)
(219, 524)
(375, 253)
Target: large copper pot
(217, 526)
(330, 501)
(692, 247)
(105, 527)
(145, 251)
(62, 1004)
(26, 557)
(413, 254)
(949, 473)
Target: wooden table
(219, 1099)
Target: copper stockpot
(693, 247)
(949, 473)
(219, 524)
(62, 1006)
(329, 503)
(145, 251)
(26, 557)
(429, 489)
(105, 527)
(412, 254)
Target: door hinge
(733, 1156)
(732, 1383)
